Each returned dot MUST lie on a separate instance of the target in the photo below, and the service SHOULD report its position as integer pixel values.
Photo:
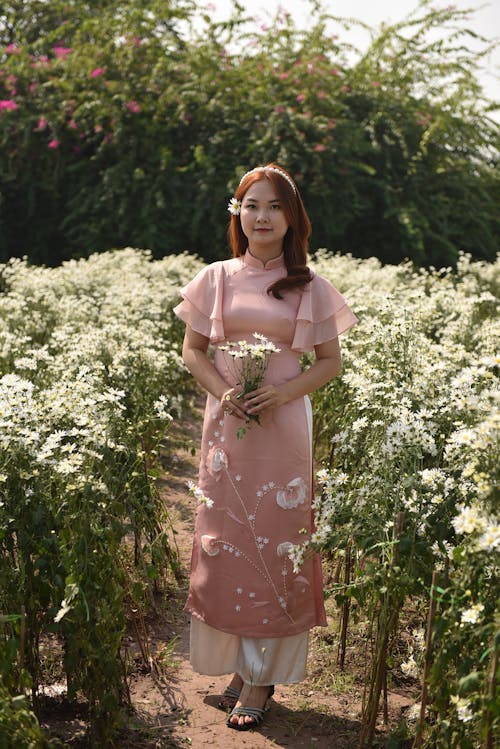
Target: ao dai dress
(250, 611)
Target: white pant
(259, 661)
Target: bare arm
(194, 353)
(327, 366)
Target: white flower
(490, 539)
(463, 708)
(234, 206)
(160, 407)
(413, 712)
(198, 494)
(469, 520)
(409, 667)
(471, 616)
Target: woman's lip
(261, 228)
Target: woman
(251, 612)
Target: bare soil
(174, 707)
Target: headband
(271, 169)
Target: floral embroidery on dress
(288, 496)
(293, 495)
(216, 461)
(284, 548)
(209, 544)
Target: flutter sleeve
(322, 315)
(201, 305)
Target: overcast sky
(485, 21)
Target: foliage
(19, 728)
(122, 123)
(90, 378)
(410, 476)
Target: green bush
(123, 125)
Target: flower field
(406, 438)
(91, 377)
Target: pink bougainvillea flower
(33, 87)
(375, 84)
(345, 89)
(97, 72)
(279, 109)
(320, 147)
(40, 62)
(42, 124)
(61, 52)
(334, 71)
(12, 49)
(54, 143)
(133, 106)
(310, 68)
(8, 104)
(98, 129)
(301, 97)
(72, 124)
(284, 76)
(321, 95)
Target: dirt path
(181, 709)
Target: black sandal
(231, 697)
(256, 713)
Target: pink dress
(242, 580)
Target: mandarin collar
(255, 262)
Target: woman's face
(262, 218)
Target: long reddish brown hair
(296, 239)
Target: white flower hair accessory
(234, 206)
(271, 169)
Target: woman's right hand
(232, 405)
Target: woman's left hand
(263, 400)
